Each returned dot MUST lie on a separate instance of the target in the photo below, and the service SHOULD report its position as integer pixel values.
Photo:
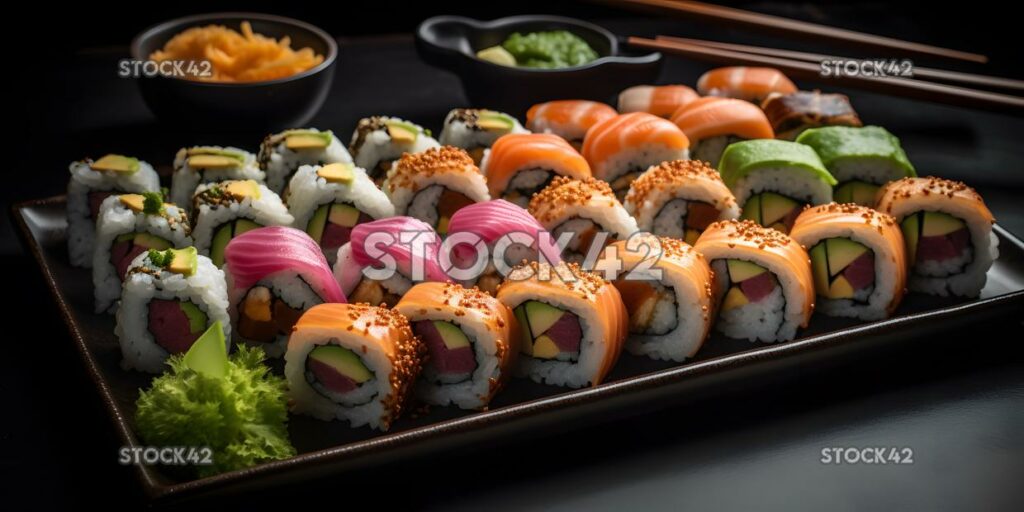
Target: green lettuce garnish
(152, 203)
(234, 406)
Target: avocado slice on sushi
(545, 348)
(242, 189)
(526, 340)
(337, 369)
(453, 336)
(841, 266)
(734, 298)
(741, 270)
(196, 317)
(552, 331)
(494, 121)
(212, 162)
(224, 234)
(911, 227)
(337, 173)
(401, 131)
(184, 261)
(940, 224)
(449, 347)
(116, 163)
(750, 282)
(858, 192)
(315, 227)
(297, 140)
(542, 316)
(934, 236)
(344, 215)
(841, 252)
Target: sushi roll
(679, 199)
(129, 225)
(763, 281)
(510, 235)
(274, 274)
(281, 154)
(227, 209)
(434, 184)
(583, 216)
(168, 300)
(520, 165)
(352, 362)
(378, 141)
(948, 234)
(210, 164)
(668, 290)
(385, 258)
(857, 258)
(860, 159)
(569, 119)
(328, 201)
(660, 100)
(573, 323)
(774, 179)
(472, 340)
(475, 130)
(791, 114)
(752, 84)
(713, 123)
(92, 181)
(620, 148)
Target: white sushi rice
(267, 210)
(418, 196)
(679, 324)
(205, 288)
(185, 179)
(460, 134)
(289, 286)
(877, 171)
(792, 182)
(81, 228)
(377, 146)
(636, 159)
(964, 276)
(664, 207)
(773, 318)
(710, 149)
(116, 219)
(280, 163)
(576, 218)
(397, 284)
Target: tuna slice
(122, 254)
(445, 361)
(860, 273)
(944, 247)
(335, 236)
(330, 378)
(566, 333)
(169, 326)
(758, 287)
(95, 201)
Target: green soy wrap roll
(836, 143)
(742, 158)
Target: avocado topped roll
(475, 130)
(92, 181)
(948, 234)
(168, 300)
(210, 164)
(380, 140)
(472, 339)
(352, 362)
(791, 114)
(774, 179)
(679, 199)
(857, 258)
(225, 210)
(129, 225)
(434, 184)
(764, 285)
(281, 154)
(328, 201)
(860, 159)
(573, 323)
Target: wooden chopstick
(787, 26)
(935, 74)
(905, 87)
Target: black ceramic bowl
(451, 42)
(252, 106)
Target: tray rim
(157, 490)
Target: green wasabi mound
(551, 49)
(837, 143)
(742, 158)
(232, 405)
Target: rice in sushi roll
(660, 100)
(475, 130)
(791, 114)
(948, 234)
(92, 181)
(129, 225)
(472, 339)
(679, 199)
(328, 201)
(520, 165)
(860, 159)
(168, 300)
(774, 179)
(281, 154)
(210, 164)
(569, 119)
(713, 123)
(352, 362)
(380, 140)
(857, 258)
(752, 84)
(573, 323)
(225, 210)
(620, 148)
(434, 184)
(764, 285)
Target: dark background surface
(959, 406)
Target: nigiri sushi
(752, 84)
(713, 123)
(660, 100)
(569, 119)
(519, 165)
(620, 148)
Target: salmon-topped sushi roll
(660, 100)
(713, 123)
(569, 119)
(745, 83)
(521, 164)
(621, 148)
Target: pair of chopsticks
(808, 65)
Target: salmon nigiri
(520, 164)
(569, 119)
(620, 148)
(660, 100)
(713, 123)
(745, 83)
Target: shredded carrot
(237, 57)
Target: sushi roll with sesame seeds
(380, 140)
(764, 286)
(472, 340)
(281, 154)
(227, 209)
(434, 184)
(210, 164)
(572, 323)
(476, 129)
(353, 362)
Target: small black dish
(251, 106)
(451, 42)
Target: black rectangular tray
(636, 385)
